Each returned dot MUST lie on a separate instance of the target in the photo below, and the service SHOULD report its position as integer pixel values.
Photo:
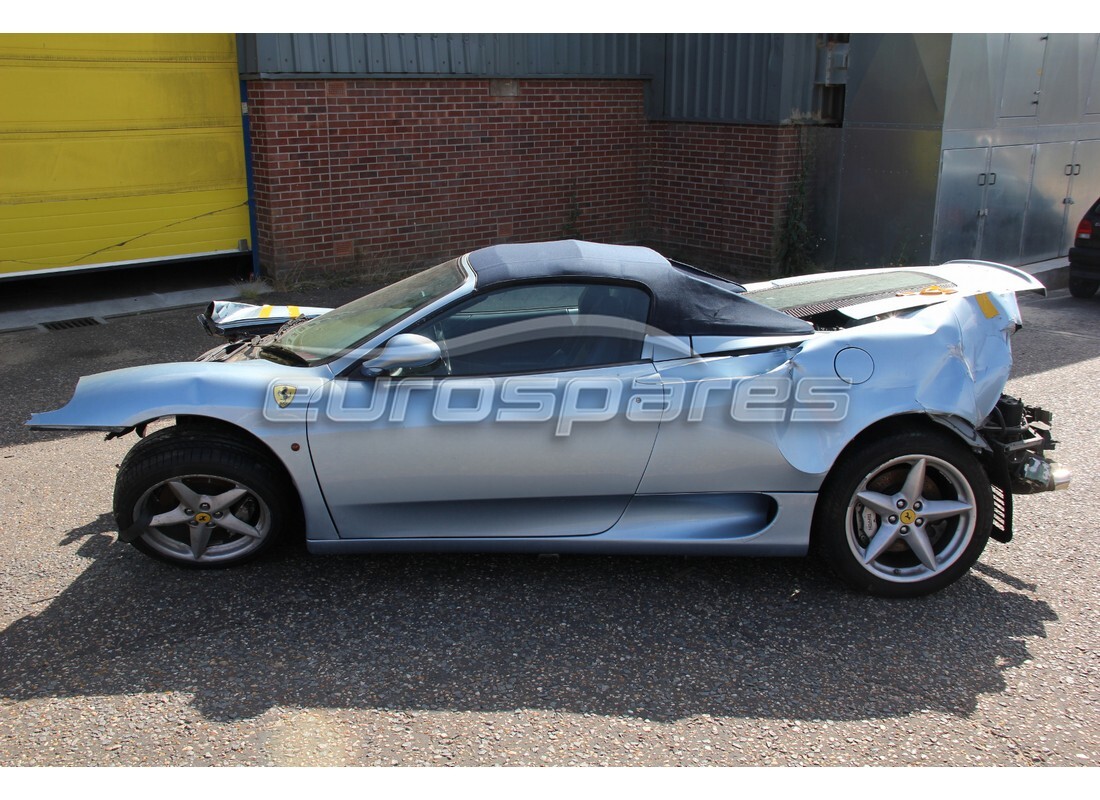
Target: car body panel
(466, 472)
(231, 318)
(698, 524)
(950, 359)
(236, 393)
(948, 281)
(683, 472)
(124, 398)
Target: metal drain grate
(67, 324)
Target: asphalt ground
(110, 658)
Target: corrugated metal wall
(753, 78)
(617, 55)
(719, 77)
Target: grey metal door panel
(1007, 182)
(1084, 188)
(486, 467)
(1064, 76)
(1044, 223)
(959, 203)
(1023, 74)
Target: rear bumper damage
(1019, 438)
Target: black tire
(846, 528)
(243, 502)
(1083, 287)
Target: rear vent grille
(67, 324)
(811, 309)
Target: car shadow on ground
(661, 638)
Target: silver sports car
(579, 397)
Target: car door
(529, 426)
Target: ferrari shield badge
(284, 394)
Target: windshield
(347, 326)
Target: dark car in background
(1084, 256)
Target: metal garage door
(119, 148)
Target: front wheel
(200, 499)
(906, 516)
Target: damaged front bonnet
(235, 320)
(126, 398)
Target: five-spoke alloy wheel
(200, 498)
(906, 516)
(203, 517)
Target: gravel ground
(110, 658)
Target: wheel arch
(914, 420)
(196, 423)
(933, 424)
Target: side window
(541, 328)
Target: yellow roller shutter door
(119, 148)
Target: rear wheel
(1083, 287)
(905, 516)
(201, 498)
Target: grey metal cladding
(895, 170)
(753, 78)
(512, 55)
(1065, 75)
(897, 79)
(1092, 101)
(973, 81)
(1017, 88)
(713, 77)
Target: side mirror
(403, 351)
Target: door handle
(992, 178)
(1077, 169)
(1069, 169)
(981, 178)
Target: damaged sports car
(590, 398)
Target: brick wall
(718, 193)
(370, 174)
(367, 175)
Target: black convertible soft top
(688, 302)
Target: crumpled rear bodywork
(950, 360)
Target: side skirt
(775, 524)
